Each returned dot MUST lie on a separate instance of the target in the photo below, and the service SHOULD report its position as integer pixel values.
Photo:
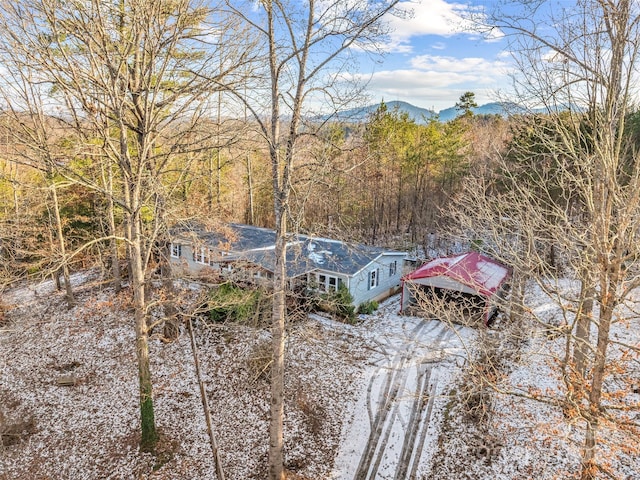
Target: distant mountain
(362, 114)
(422, 115)
(495, 108)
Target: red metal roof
(478, 272)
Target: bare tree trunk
(218, 161)
(607, 306)
(583, 325)
(250, 207)
(276, 443)
(115, 262)
(589, 469)
(61, 245)
(218, 179)
(163, 244)
(210, 186)
(149, 435)
(205, 405)
(589, 464)
(399, 204)
(171, 329)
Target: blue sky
(436, 56)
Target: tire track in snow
(397, 362)
(414, 424)
(423, 434)
(419, 421)
(395, 380)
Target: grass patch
(340, 303)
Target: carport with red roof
(469, 274)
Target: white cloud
(469, 65)
(438, 81)
(434, 17)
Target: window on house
(258, 274)
(199, 255)
(322, 283)
(328, 283)
(393, 268)
(374, 278)
(176, 250)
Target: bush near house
(229, 302)
(368, 307)
(340, 303)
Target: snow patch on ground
(90, 430)
(340, 379)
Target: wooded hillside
(122, 119)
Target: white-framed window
(200, 255)
(393, 268)
(374, 278)
(328, 283)
(176, 250)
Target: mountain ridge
(422, 115)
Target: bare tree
(133, 78)
(34, 142)
(306, 47)
(566, 198)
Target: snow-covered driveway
(393, 430)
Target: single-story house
(246, 253)
(471, 278)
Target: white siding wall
(360, 285)
(186, 259)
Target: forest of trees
(379, 182)
(121, 119)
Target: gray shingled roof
(304, 253)
(243, 238)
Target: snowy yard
(366, 401)
(89, 430)
(394, 424)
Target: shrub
(229, 302)
(477, 244)
(340, 302)
(368, 307)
